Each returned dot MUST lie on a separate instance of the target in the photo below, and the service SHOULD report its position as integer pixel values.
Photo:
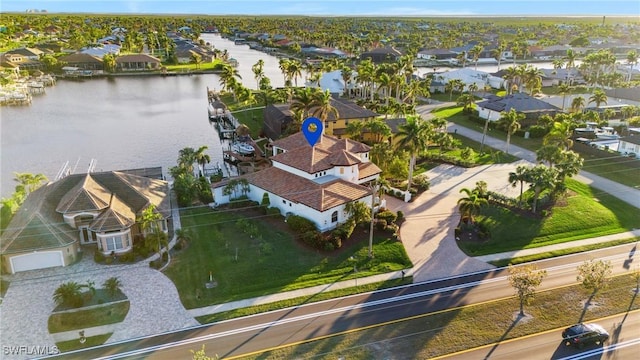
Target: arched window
(334, 216)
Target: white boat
(242, 148)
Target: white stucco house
(469, 76)
(334, 82)
(313, 182)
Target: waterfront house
(278, 117)
(137, 62)
(84, 62)
(98, 209)
(313, 182)
(630, 145)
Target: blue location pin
(312, 130)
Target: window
(334, 216)
(114, 242)
(341, 170)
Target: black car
(580, 335)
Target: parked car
(580, 335)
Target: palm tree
(414, 137)
(475, 54)
(632, 60)
(354, 129)
(511, 121)
(497, 52)
(323, 107)
(540, 178)
(518, 176)
(202, 158)
(470, 205)
(598, 97)
(294, 70)
(228, 76)
(564, 89)
(149, 220)
(112, 285)
(453, 85)
(68, 294)
(467, 100)
(186, 158)
(577, 104)
(303, 100)
(570, 59)
(378, 128)
(346, 74)
(560, 135)
(258, 71)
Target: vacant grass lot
(246, 267)
(453, 330)
(588, 213)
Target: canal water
(122, 123)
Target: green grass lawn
(92, 341)
(272, 263)
(457, 329)
(588, 213)
(82, 319)
(608, 165)
(4, 286)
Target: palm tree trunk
(412, 163)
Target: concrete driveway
(428, 232)
(155, 306)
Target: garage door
(37, 260)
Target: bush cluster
(387, 215)
(300, 225)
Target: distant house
(84, 62)
(629, 96)
(380, 55)
(333, 82)
(137, 62)
(28, 53)
(97, 209)
(630, 145)
(278, 117)
(469, 76)
(313, 182)
(533, 108)
(436, 54)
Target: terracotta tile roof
(300, 190)
(327, 153)
(368, 169)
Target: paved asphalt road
(263, 331)
(623, 343)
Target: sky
(334, 7)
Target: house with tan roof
(137, 62)
(314, 182)
(94, 209)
